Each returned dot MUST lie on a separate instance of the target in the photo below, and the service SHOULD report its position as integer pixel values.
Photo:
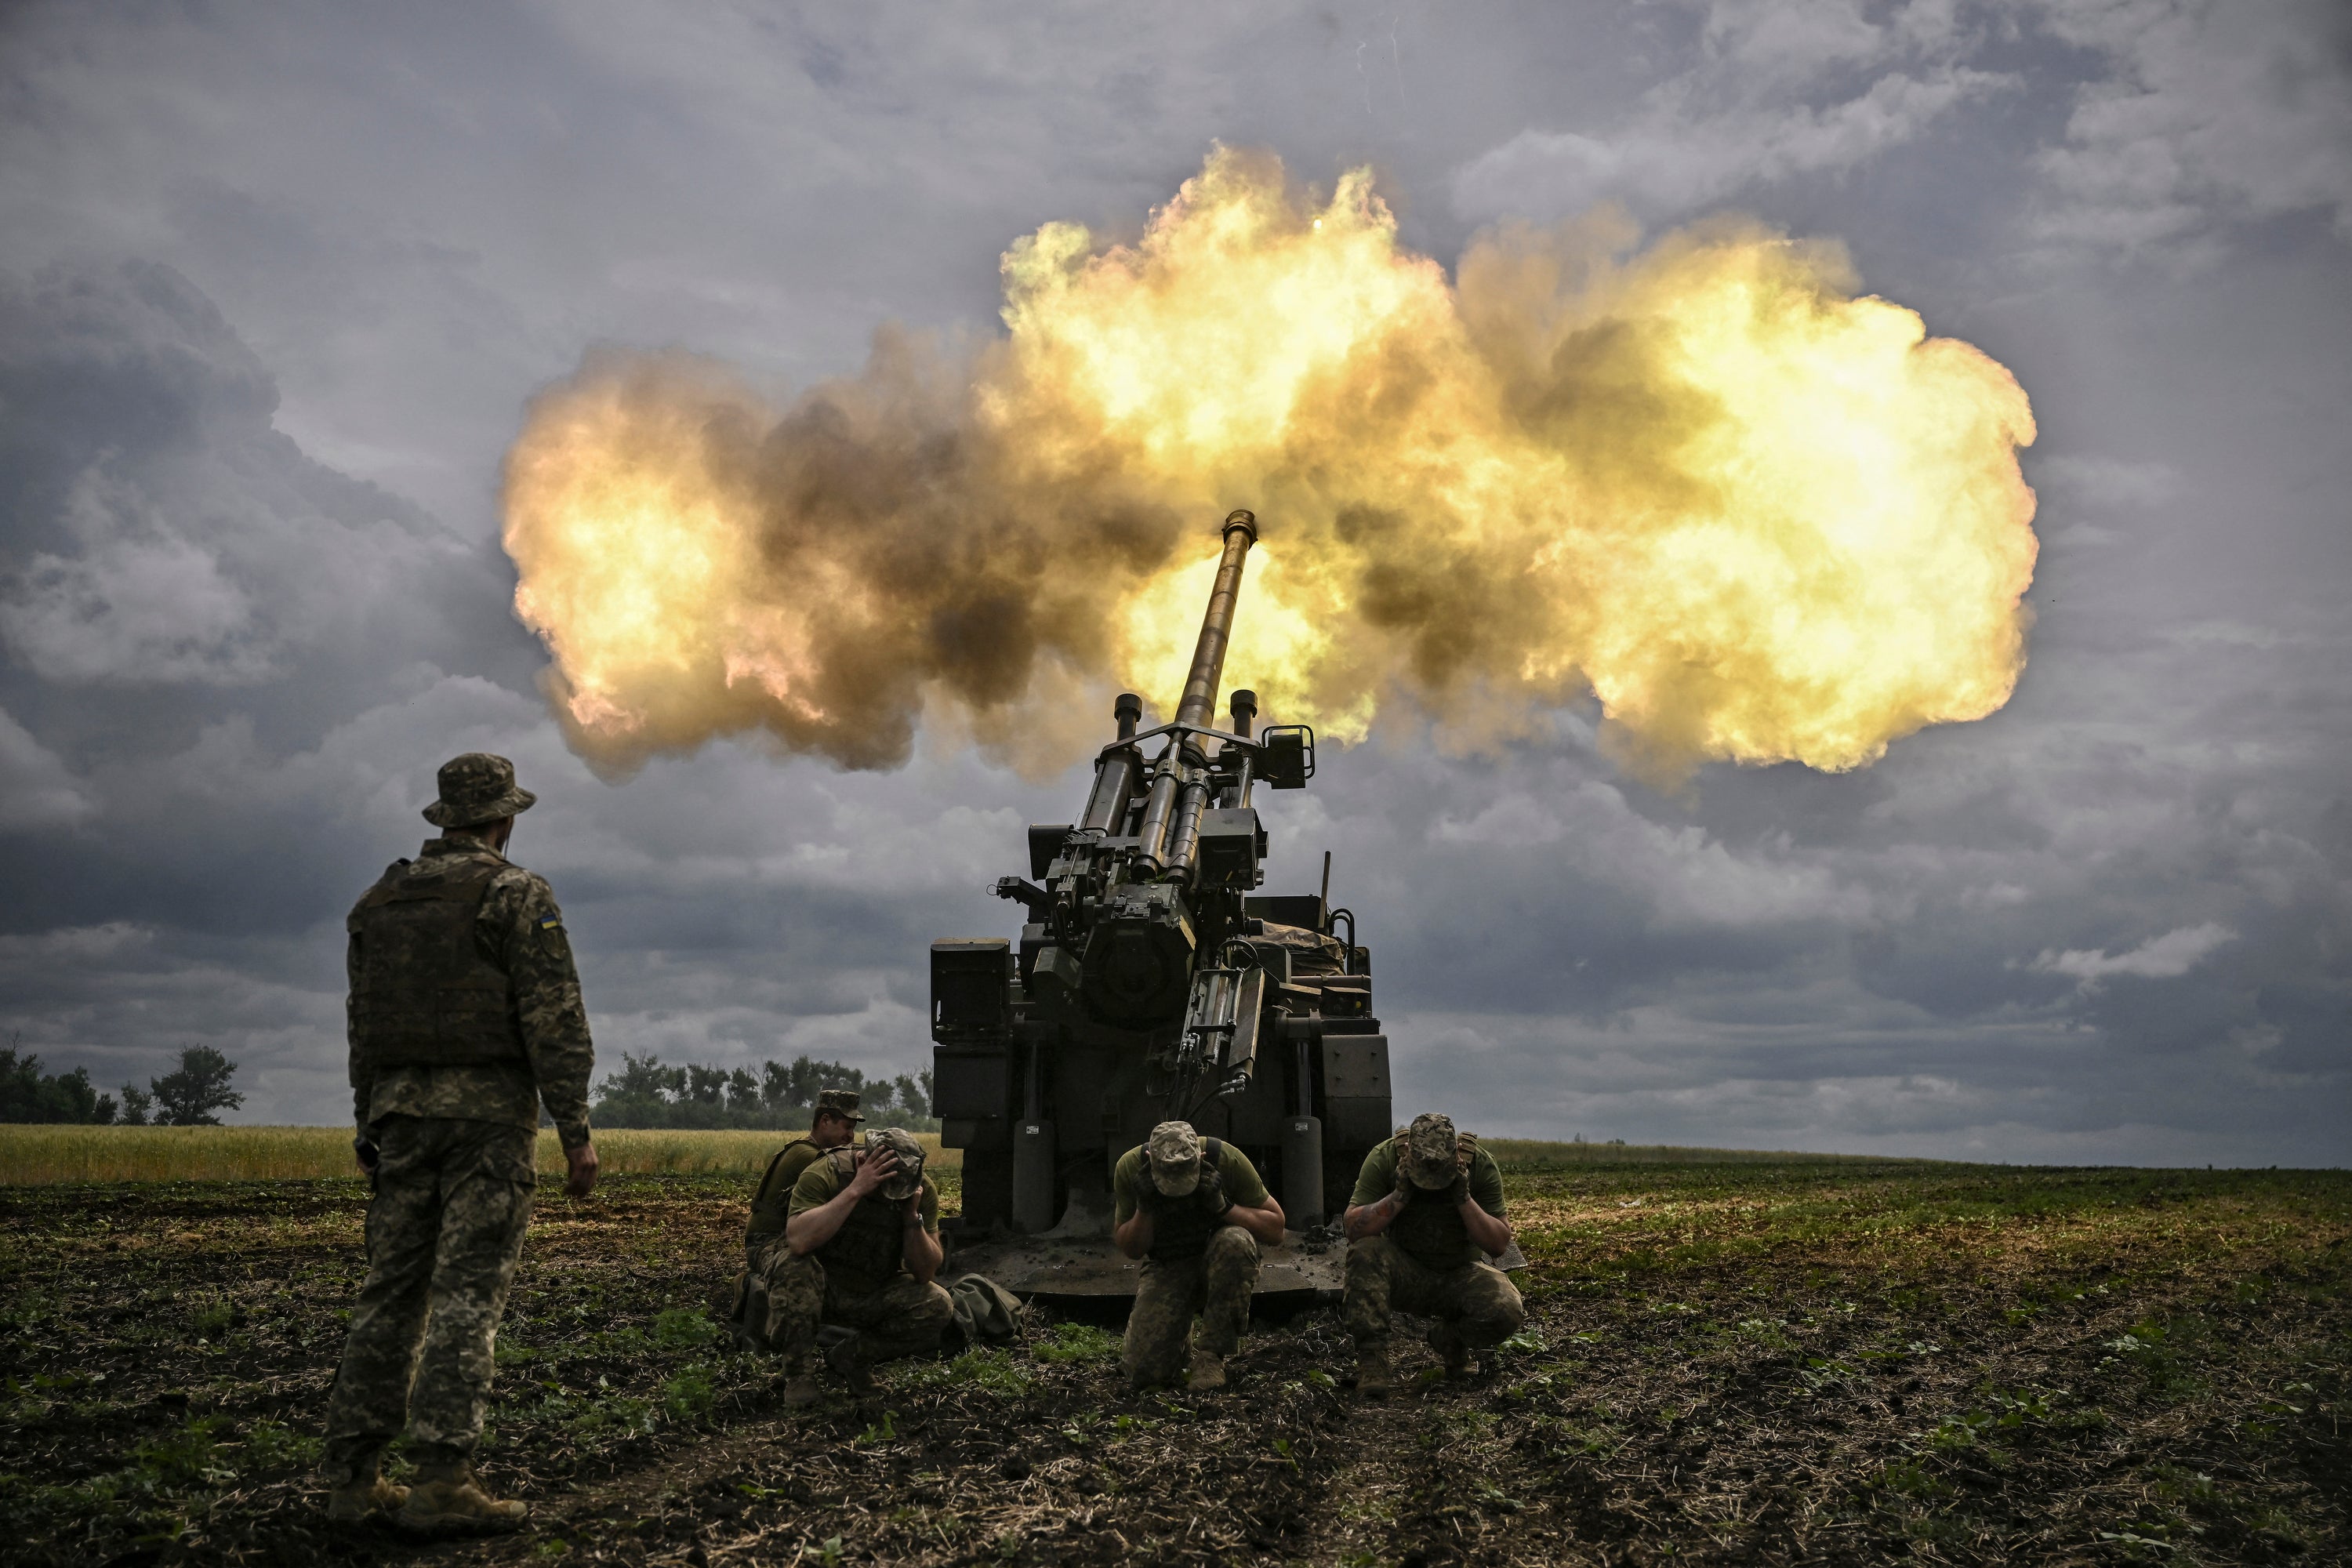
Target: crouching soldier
(1195, 1210)
(832, 1126)
(1427, 1212)
(863, 1237)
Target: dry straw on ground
(43, 1156)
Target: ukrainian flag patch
(550, 922)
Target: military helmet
(1174, 1155)
(476, 788)
(1433, 1153)
(908, 1180)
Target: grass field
(43, 1156)
(1753, 1360)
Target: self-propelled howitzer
(1150, 982)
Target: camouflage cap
(840, 1102)
(476, 788)
(908, 1180)
(1432, 1154)
(1174, 1154)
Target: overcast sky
(276, 282)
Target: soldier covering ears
(1194, 1209)
(862, 1244)
(1426, 1216)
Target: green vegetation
(779, 1097)
(1075, 1342)
(190, 1095)
(1528, 1156)
(42, 1156)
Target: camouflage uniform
(765, 1252)
(1198, 1263)
(857, 1279)
(457, 1137)
(1426, 1262)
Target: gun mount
(1149, 984)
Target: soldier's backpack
(985, 1312)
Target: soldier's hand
(1404, 1188)
(1211, 1193)
(877, 1167)
(580, 1179)
(1454, 1196)
(367, 1154)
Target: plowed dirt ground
(1726, 1363)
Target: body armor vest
(1181, 1226)
(1430, 1232)
(424, 996)
(871, 1245)
(772, 1204)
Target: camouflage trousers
(452, 1200)
(899, 1318)
(1216, 1285)
(1477, 1300)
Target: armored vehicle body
(1151, 982)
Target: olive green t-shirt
(1430, 1234)
(770, 1204)
(1243, 1185)
(819, 1184)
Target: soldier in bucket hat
(862, 1244)
(465, 1019)
(1195, 1210)
(1424, 1223)
(832, 1125)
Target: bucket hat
(476, 788)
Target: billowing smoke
(1760, 518)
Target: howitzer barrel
(1199, 704)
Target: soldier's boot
(353, 1501)
(1374, 1375)
(802, 1391)
(1208, 1370)
(1446, 1340)
(447, 1499)
(846, 1358)
(750, 1310)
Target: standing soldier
(1426, 1215)
(862, 1236)
(1194, 1209)
(464, 1018)
(832, 1127)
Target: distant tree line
(191, 1094)
(778, 1095)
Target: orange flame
(1760, 518)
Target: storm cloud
(276, 285)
